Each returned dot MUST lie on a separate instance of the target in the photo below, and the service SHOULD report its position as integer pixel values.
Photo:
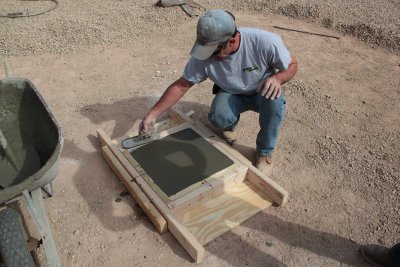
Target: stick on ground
(312, 33)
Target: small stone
(124, 194)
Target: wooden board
(219, 215)
(213, 187)
(159, 127)
(154, 215)
(198, 192)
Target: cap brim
(202, 52)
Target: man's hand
(147, 122)
(270, 88)
(169, 98)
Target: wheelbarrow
(30, 146)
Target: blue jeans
(225, 113)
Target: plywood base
(219, 215)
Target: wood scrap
(169, 3)
(188, 10)
(186, 5)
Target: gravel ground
(84, 24)
(100, 63)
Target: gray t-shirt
(260, 55)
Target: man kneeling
(248, 67)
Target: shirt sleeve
(194, 71)
(278, 55)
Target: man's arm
(271, 87)
(169, 98)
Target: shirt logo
(248, 69)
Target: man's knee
(274, 107)
(225, 110)
(222, 120)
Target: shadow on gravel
(246, 254)
(340, 249)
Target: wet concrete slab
(180, 160)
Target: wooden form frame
(199, 192)
(201, 215)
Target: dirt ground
(338, 154)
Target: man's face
(222, 51)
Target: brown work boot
(376, 255)
(229, 136)
(264, 164)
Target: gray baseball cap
(213, 28)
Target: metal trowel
(138, 140)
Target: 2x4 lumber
(180, 232)
(179, 116)
(203, 193)
(159, 135)
(212, 188)
(261, 180)
(271, 188)
(232, 177)
(172, 130)
(152, 213)
(158, 127)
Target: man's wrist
(277, 77)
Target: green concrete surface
(180, 160)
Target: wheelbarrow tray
(28, 125)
